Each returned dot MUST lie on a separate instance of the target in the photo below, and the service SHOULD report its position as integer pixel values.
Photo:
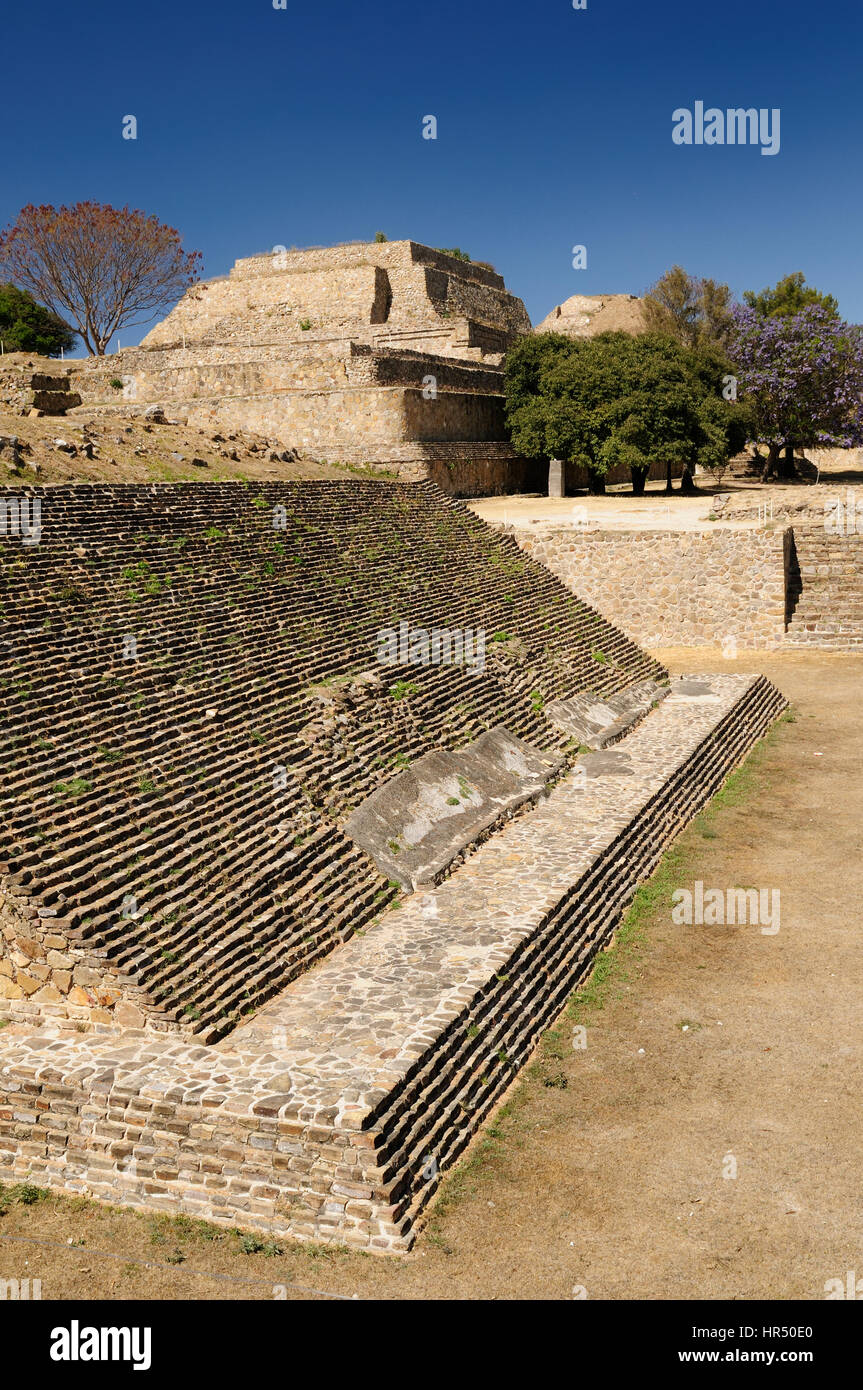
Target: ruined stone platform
(386, 355)
(333, 1112)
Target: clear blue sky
(302, 126)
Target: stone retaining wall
(674, 588)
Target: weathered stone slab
(419, 822)
(556, 479)
(599, 720)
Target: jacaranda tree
(801, 376)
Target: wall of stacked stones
(329, 422)
(45, 973)
(275, 301)
(675, 588)
(234, 1158)
(390, 255)
(474, 470)
(180, 374)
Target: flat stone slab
(420, 821)
(599, 720)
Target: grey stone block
(419, 822)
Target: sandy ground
(709, 1050)
(613, 511)
(659, 511)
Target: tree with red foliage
(99, 266)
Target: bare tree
(99, 266)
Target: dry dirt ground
(128, 449)
(707, 1047)
(739, 504)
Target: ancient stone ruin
(237, 740)
(585, 315)
(384, 354)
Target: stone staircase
(194, 706)
(333, 1113)
(824, 587)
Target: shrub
(27, 326)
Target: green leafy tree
(619, 399)
(27, 326)
(788, 296)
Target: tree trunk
(687, 481)
(668, 484)
(639, 478)
(595, 482)
(787, 467)
(769, 470)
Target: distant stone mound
(585, 315)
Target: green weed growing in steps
(22, 1193)
(77, 786)
(402, 689)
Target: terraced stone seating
(332, 1113)
(194, 707)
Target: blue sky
(302, 126)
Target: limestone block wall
(453, 415)
(355, 419)
(47, 973)
(674, 588)
(182, 374)
(477, 470)
(270, 305)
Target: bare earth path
(715, 1046)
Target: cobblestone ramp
(332, 1114)
(193, 706)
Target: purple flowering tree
(802, 377)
